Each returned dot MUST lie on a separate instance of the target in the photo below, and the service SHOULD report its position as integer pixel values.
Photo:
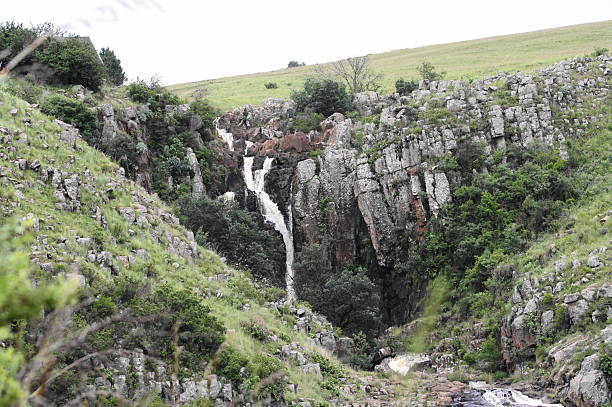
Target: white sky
(183, 40)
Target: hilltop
(461, 60)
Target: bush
(74, 112)
(271, 85)
(140, 92)
(350, 300)
(405, 87)
(233, 365)
(322, 96)
(207, 113)
(600, 51)
(307, 122)
(199, 332)
(73, 62)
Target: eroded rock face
(358, 186)
(589, 388)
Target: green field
(467, 59)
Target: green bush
(199, 333)
(271, 85)
(140, 92)
(73, 112)
(73, 62)
(306, 122)
(605, 364)
(233, 365)
(322, 96)
(404, 87)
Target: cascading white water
(511, 397)
(225, 135)
(272, 214)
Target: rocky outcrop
(359, 185)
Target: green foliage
(112, 66)
(404, 87)
(199, 332)
(73, 62)
(600, 51)
(605, 363)
(351, 301)
(496, 214)
(428, 72)
(233, 365)
(20, 300)
(73, 112)
(305, 122)
(150, 91)
(322, 96)
(14, 37)
(271, 85)
(233, 232)
(205, 110)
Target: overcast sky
(188, 40)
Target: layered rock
(359, 185)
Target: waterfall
(510, 397)
(271, 213)
(225, 135)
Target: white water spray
(272, 214)
(511, 397)
(225, 135)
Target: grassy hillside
(466, 59)
(75, 230)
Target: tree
(428, 72)
(323, 96)
(357, 74)
(295, 64)
(351, 301)
(112, 65)
(73, 62)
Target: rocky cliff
(363, 184)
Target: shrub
(307, 122)
(322, 96)
(199, 333)
(271, 85)
(207, 113)
(233, 365)
(605, 364)
(74, 112)
(600, 51)
(140, 92)
(405, 87)
(73, 62)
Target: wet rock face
(352, 182)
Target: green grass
(39, 200)
(472, 59)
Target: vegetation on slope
(467, 59)
(135, 291)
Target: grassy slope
(466, 59)
(60, 225)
